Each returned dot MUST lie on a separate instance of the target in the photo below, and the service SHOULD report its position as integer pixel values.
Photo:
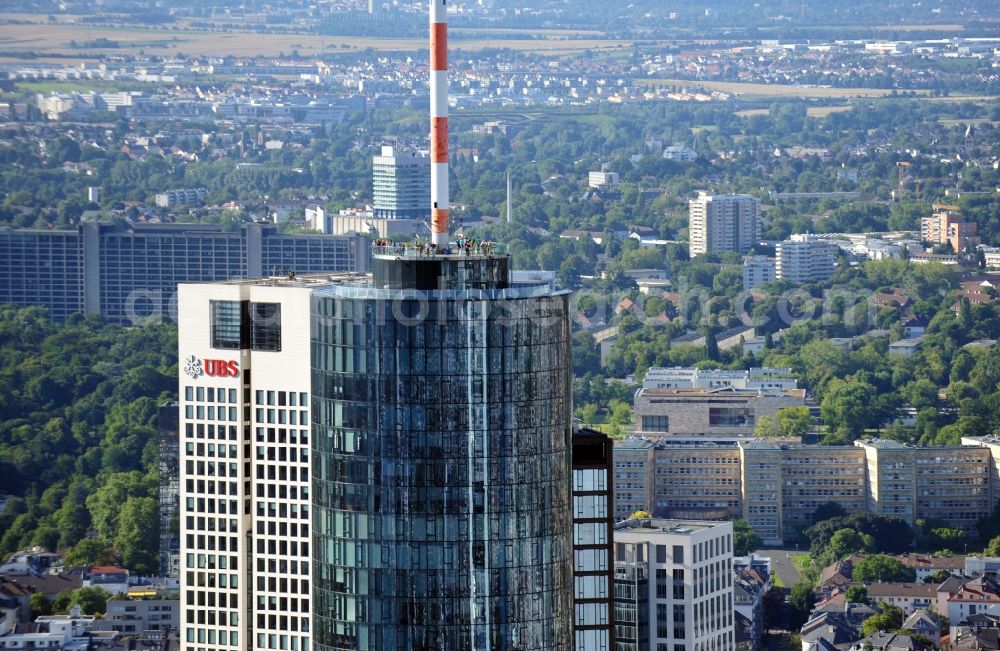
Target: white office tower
(401, 186)
(803, 260)
(244, 465)
(674, 585)
(723, 223)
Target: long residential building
(127, 272)
(777, 487)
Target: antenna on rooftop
(439, 122)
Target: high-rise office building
(130, 271)
(948, 227)
(723, 223)
(244, 465)
(593, 569)
(674, 585)
(401, 184)
(441, 458)
(409, 432)
(439, 445)
(801, 260)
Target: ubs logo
(195, 368)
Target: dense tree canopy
(78, 434)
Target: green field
(57, 38)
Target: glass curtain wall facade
(441, 468)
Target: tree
(640, 515)
(993, 549)
(588, 412)
(106, 503)
(891, 534)
(745, 539)
(800, 601)
(767, 427)
(586, 354)
(774, 608)
(889, 618)
(138, 534)
(40, 605)
(845, 542)
(945, 538)
(92, 601)
(711, 343)
(857, 594)
(63, 149)
(794, 421)
(90, 552)
(848, 404)
(882, 567)
(828, 510)
(938, 577)
(62, 602)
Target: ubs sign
(195, 368)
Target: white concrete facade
(801, 261)
(244, 476)
(723, 223)
(689, 596)
(758, 270)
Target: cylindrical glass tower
(441, 459)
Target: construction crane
(904, 167)
(945, 206)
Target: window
(227, 321)
(656, 423)
(265, 326)
(730, 417)
(241, 324)
(678, 554)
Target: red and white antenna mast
(439, 123)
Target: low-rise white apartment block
(758, 270)
(603, 179)
(678, 377)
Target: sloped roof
(920, 620)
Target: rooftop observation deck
(386, 249)
(465, 264)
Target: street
(781, 564)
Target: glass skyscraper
(441, 457)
